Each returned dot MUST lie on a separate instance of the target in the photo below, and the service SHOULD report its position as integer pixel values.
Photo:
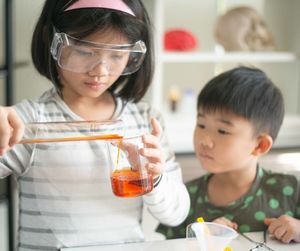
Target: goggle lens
(82, 56)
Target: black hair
(80, 23)
(246, 92)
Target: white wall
(3, 225)
(1, 52)
(28, 83)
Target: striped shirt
(65, 197)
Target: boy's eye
(221, 131)
(201, 126)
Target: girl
(98, 54)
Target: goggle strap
(59, 38)
(54, 45)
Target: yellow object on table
(200, 219)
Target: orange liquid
(128, 183)
(65, 139)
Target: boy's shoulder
(202, 178)
(280, 176)
(277, 180)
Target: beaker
(129, 176)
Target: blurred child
(239, 114)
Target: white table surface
(238, 244)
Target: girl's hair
(80, 23)
(248, 93)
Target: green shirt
(271, 195)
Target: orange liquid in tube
(65, 139)
(130, 183)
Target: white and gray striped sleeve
(16, 160)
(169, 201)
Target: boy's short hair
(246, 92)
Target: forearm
(169, 202)
(4, 172)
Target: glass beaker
(129, 176)
(209, 236)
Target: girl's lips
(95, 85)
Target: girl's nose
(100, 69)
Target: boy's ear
(264, 144)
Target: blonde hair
(243, 29)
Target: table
(238, 244)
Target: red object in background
(179, 40)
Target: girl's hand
(11, 129)
(226, 222)
(285, 228)
(153, 150)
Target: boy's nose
(206, 141)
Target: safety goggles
(82, 56)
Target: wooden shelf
(289, 135)
(211, 57)
(281, 65)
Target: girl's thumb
(156, 128)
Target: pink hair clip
(106, 4)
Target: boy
(239, 116)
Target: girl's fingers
(154, 169)
(17, 125)
(154, 155)
(5, 133)
(155, 158)
(151, 141)
(11, 128)
(156, 128)
(153, 150)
